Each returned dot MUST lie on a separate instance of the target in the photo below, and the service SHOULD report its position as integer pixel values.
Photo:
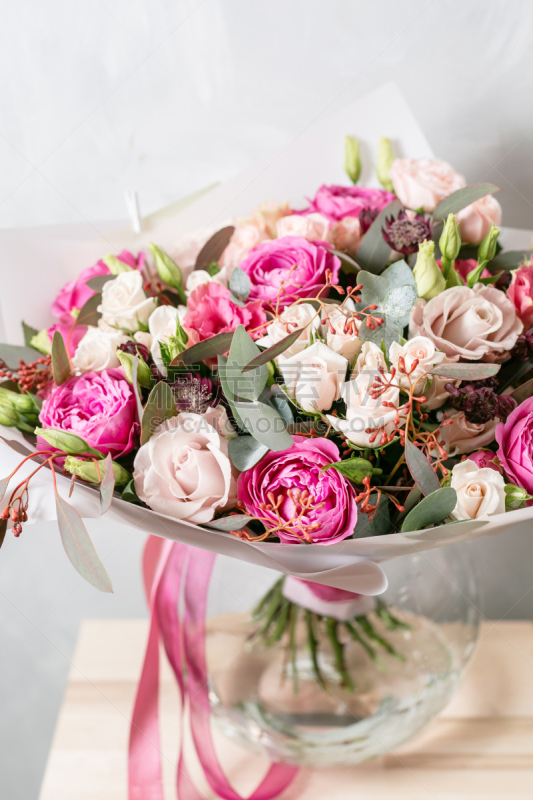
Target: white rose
(314, 227)
(161, 325)
(184, 470)
(124, 303)
(303, 315)
(143, 337)
(367, 419)
(419, 349)
(97, 350)
(370, 359)
(313, 377)
(340, 329)
(480, 492)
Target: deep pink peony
(290, 267)
(210, 311)
(73, 296)
(338, 202)
(515, 437)
(97, 406)
(520, 292)
(294, 475)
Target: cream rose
(347, 235)
(124, 303)
(313, 377)
(478, 323)
(475, 220)
(314, 227)
(97, 350)
(480, 492)
(366, 417)
(184, 470)
(419, 349)
(302, 315)
(462, 436)
(161, 325)
(370, 359)
(424, 182)
(340, 330)
(266, 217)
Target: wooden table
(480, 747)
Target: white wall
(167, 97)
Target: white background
(168, 97)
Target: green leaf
(11, 354)
(78, 546)
(523, 392)
(273, 351)
(464, 372)
(355, 469)
(29, 333)
(421, 470)
(160, 406)
(380, 524)
(434, 508)
(97, 283)
(474, 275)
(374, 252)
(210, 348)
(60, 360)
(375, 288)
(3, 529)
(89, 314)
(265, 425)
(458, 200)
(115, 265)
(66, 442)
(348, 265)
(449, 531)
(136, 390)
(168, 270)
(213, 249)
(245, 452)
(509, 259)
(107, 485)
(243, 350)
(239, 284)
(129, 495)
(399, 274)
(399, 301)
(281, 404)
(235, 522)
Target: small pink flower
(211, 311)
(485, 459)
(337, 202)
(475, 220)
(520, 292)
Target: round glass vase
(400, 663)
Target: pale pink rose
(370, 359)
(244, 239)
(424, 182)
(347, 235)
(266, 217)
(475, 219)
(340, 329)
(313, 227)
(478, 323)
(462, 436)
(520, 292)
(480, 492)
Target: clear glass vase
(398, 676)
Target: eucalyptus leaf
(239, 284)
(107, 485)
(375, 288)
(210, 348)
(160, 406)
(29, 333)
(97, 283)
(451, 530)
(420, 469)
(243, 350)
(399, 274)
(60, 360)
(214, 247)
(273, 351)
(3, 485)
(78, 546)
(89, 314)
(129, 495)
(3, 529)
(265, 425)
(431, 510)
(509, 259)
(348, 265)
(464, 372)
(458, 200)
(399, 301)
(245, 452)
(380, 523)
(11, 354)
(374, 252)
(235, 522)
(281, 404)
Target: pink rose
(73, 296)
(515, 438)
(72, 334)
(520, 292)
(97, 406)
(485, 459)
(424, 182)
(294, 475)
(337, 202)
(211, 311)
(478, 323)
(466, 265)
(347, 235)
(463, 436)
(475, 219)
(312, 227)
(289, 268)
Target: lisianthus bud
(23, 403)
(384, 163)
(42, 342)
(168, 270)
(352, 159)
(8, 415)
(429, 279)
(144, 374)
(487, 248)
(92, 473)
(515, 497)
(450, 239)
(116, 265)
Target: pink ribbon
(165, 564)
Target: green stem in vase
(313, 647)
(391, 622)
(332, 626)
(356, 636)
(292, 646)
(371, 633)
(282, 615)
